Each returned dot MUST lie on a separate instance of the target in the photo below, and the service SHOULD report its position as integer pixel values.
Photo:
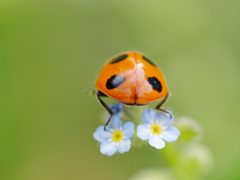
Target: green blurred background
(51, 52)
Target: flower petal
(116, 108)
(165, 119)
(116, 122)
(108, 148)
(143, 131)
(149, 116)
(156, 141)
(124, 145)
(170, 134)
(101, 135)
(128, 129)
(113, 107)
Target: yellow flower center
(117, 136)
(156, 129)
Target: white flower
(116, 138)
(157, 128)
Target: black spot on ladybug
(119, 58)
(146, 59)
(114, 81)
(155, 83)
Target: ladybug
(132, 79)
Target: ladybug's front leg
(158, 107)
(99, 94)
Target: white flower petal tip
(149, 115)
(143, 131)
(101, 135)
(108, 148)
(157, 128)
(124, 146)
(116, 122)
(166, 119)
(171, 134)
(156, 141)
(116, 138)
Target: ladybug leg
(158, 107)
(100, 94)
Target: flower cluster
(156, 128)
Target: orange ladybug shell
(132, 79)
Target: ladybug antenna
(90, 92)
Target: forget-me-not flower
(116, 137)
(157, 128)
(116, 108)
